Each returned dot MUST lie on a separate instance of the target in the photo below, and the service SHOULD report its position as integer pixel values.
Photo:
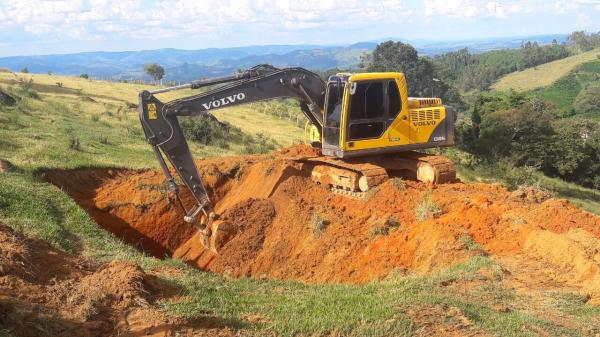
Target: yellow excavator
(364, 125)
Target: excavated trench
(289, 227)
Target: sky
(35, 27)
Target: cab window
(394, 103)
(367, 101)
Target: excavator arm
(163, 132)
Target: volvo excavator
(364, 126)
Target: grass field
(545, 74)
(40, 133)
(563, 92)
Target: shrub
(588, 100)
(259, 144)
(26, 87)
(398, 183)
(427, 208)
(74, 143)
(384, 229)
(467, 241)
(209, 131)
(319, 225)
(6, 99)
(86, 76)
(25, 70)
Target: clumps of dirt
(44, 291)
(572, 258)
(268, 206)
(531, 194)
(47, 292)
(6, 166)
(251, 219)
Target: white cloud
(479, 8)
(562, 6)
(82, 19)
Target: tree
(419, 71)
(154, 70)
(397, 56)
(86, 76)
(25, 70)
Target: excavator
(364, 126)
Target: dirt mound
(6, 166)
(46, 292)
(285, 226)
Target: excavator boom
(263, 82)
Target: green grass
(563, 92)
(543, 75)
(585, 198)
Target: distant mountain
(185, 65)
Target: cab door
(333, 115)
(375, 115)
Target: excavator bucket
(215, 233)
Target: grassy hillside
(563, 92)
(545, 74)
(101, 118)
(89, 123)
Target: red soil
(47, 292)
(288, 227)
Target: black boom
(263, 82)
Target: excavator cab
(371, 113)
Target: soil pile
(285, 226)
(46, 292)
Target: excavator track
(355, 176)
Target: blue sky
(29, 27)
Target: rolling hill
(543, 75)
(185, 65)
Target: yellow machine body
(377, 116)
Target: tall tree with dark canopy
(419, 71)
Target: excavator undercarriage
(356, 176)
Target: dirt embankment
(46, 292)
(288, 227)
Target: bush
(588, 100)
(26, 87)
(208, 130)
(86, 76)
(259, 144)
(74, 144)
(6, 99)
(427, 208)
(319, 225)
